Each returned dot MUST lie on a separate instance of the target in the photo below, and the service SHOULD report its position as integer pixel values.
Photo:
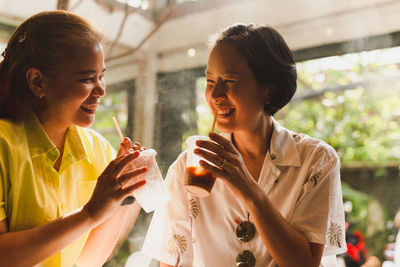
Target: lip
(89, 105)
(92, 103)
(223, 111)
(89, 108)
(222, 105)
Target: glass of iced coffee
(198, 182)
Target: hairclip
(22, 38)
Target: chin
(85, 122)
(226, 128)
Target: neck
(254, 142)
(54, 130)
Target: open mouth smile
(224, 112)
(89, 108)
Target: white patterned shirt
(300, 174)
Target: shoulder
(9, 128)
(11, 133)
(320, 159)
(313, 149)
(179, 164)
(92, 135)
(176, 171)
(13, 143)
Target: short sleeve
(319, 213)
(169, 236)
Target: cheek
(103, 83)
(207, 95)
(75, 96)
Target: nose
(219, 90)
(100, 88)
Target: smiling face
(73, 91)
(232, 91)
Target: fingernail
(134, 152)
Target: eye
(229, 81)
(209, 80)
(87, 80)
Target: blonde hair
(44, 41)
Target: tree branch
(62, 4)
(311, 93)
(147, 37)
(121, 28)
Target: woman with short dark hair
(277, 198)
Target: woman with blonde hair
(60, 187)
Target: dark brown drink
(198, 181)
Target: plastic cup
(154, 193)
(198, 182)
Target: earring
(41, 95)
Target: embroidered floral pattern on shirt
(177, 245)
(314, 179)
(335, 234)
(193, 208)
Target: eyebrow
(226, 72)
(88, 72)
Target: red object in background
(356, 248)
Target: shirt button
(273, 156)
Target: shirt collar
(75, 144)
(283, 150)
(74, 149)
(39, 143)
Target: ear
(267, 94)
(34, 79)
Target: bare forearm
(131, 217)
(41, 242)
(277, 234)
(102, 239)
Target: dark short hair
(269, 59)
(45, 41)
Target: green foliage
(359, 203)
(360, 123)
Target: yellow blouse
(32, 192)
